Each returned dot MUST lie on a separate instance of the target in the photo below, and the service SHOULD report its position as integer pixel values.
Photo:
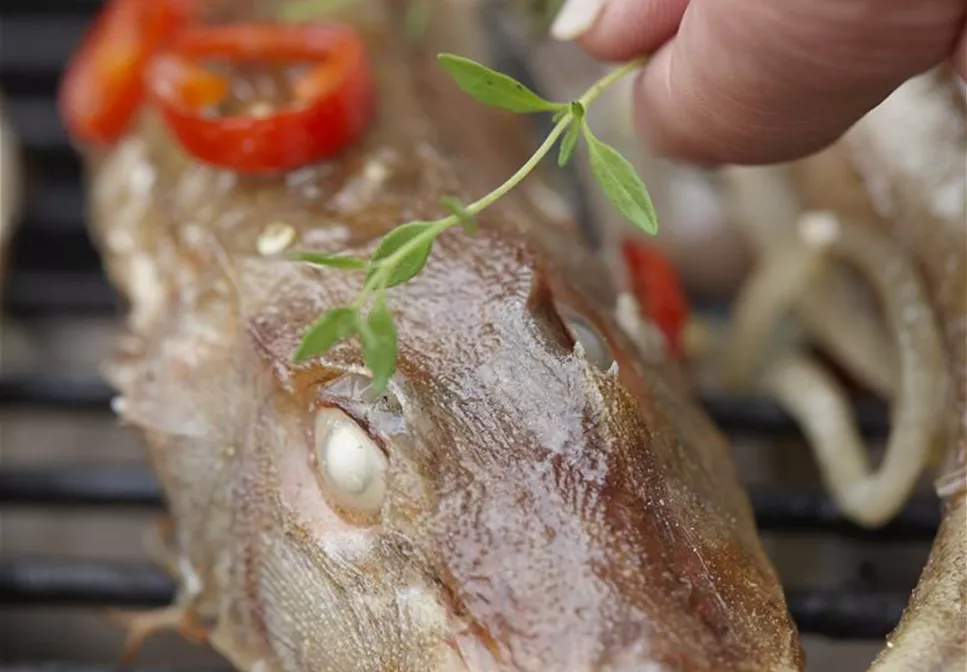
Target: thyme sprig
(404, 251)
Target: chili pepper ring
(334, 101)
(102, 88)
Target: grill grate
(56, 273)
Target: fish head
(523, 496)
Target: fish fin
(141, 625)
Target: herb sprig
(404, 251)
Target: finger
(755, 81)
(745, 81)
(618, 30)
(959, 57)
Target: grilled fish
(530, 493)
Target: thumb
(759, 81)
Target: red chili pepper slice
(657, 289)
(102, 87)
(334, 100)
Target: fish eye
(596, 348)
(352, 467)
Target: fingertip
(576, 18)
(683, 116)
(740, 81)
(665, 133)
(618, 30)
(669, 112)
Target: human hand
(760, 81)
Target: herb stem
(404, 251)
(440, 225)
(598, 87)
(524, 170)
(387, 264)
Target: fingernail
(575, 18)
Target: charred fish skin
(902, 170)
(523, 508)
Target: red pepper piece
(103, 88)
(334, 101)
(656, 287)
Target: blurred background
(76, 498)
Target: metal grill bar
(37, 45)
(740, 414)
(58, 208)
(34, 294)
(845, 614)
(83, 8)
(131, 486)
(55, 392)
(37, 582)
(72, 583)
(38, 124)
(108, 485)
(788, 510)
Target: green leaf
(456, 209)
(568, 144)
(412, 262)
(621, 184)
(494, 88)
(332, 327)
(331, 260)
(559, 115)
(378, 336)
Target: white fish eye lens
(351, 466)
